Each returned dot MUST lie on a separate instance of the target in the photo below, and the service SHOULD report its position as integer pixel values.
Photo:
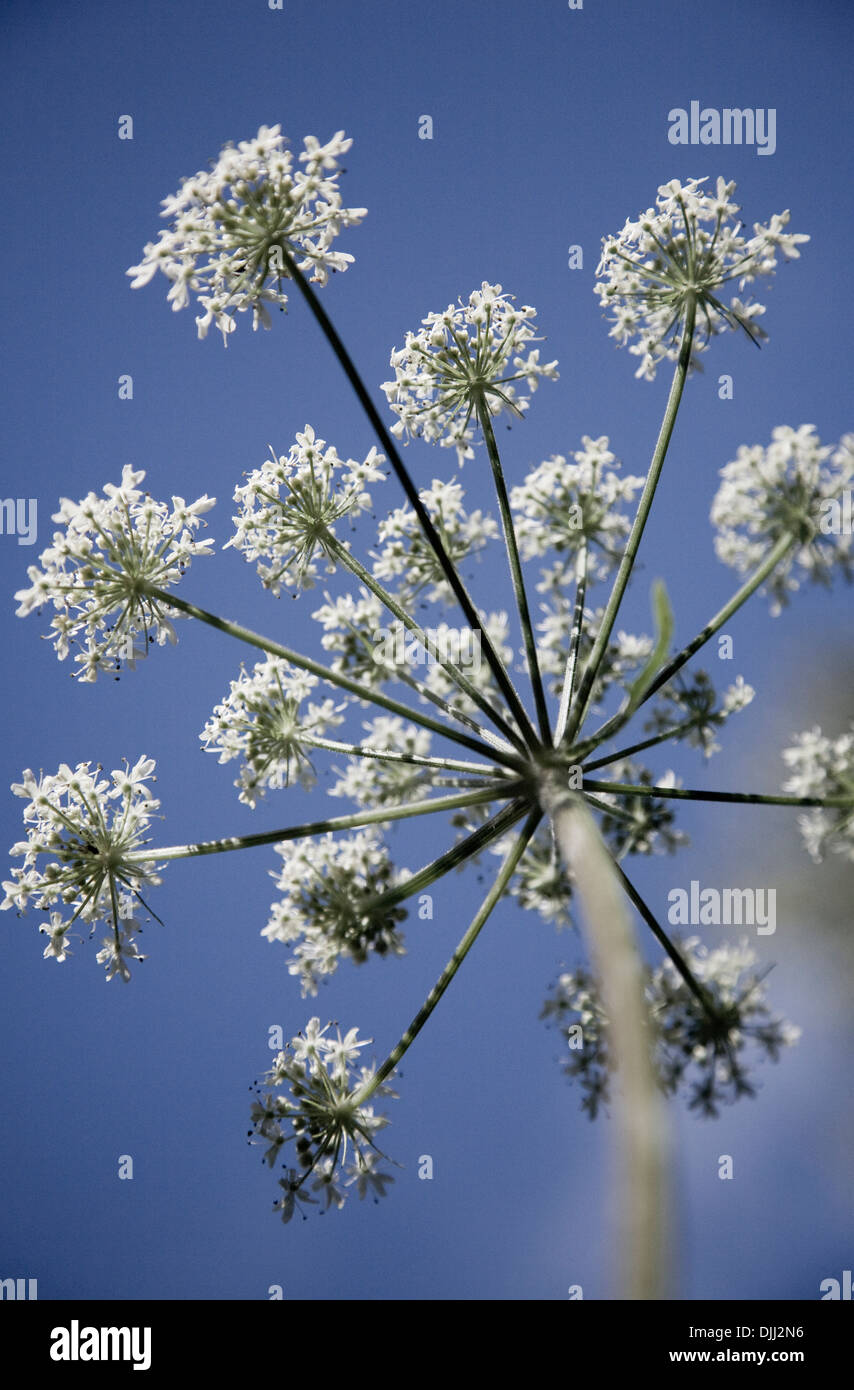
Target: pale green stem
(692, 794)
(643, 1145)
(772, 559)
(600, 646)
(515, 568)
(492, 898)
(305, 663)
(321, 827)
(390, 602)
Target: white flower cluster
(91, 828)
(260, 722)
(289, 507)
(334, 903)
(99, 572)
(688, 247)
(794, 487)
(326, 1123)
(690, 706)
(561, 505)
(823, 767)
(374, 782)
(232, 224)
(541, 882)
(479, 350)
(407, 557)
(700, 1048)
(350, 622)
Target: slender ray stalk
(585, 689)
(693, 794)
(494, 896)
(305, 663)
(515, 568)
(431, 534)
(321, 827)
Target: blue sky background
(550, 129)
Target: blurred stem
(641, 1114)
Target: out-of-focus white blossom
(792, 487)
(704, 1050)
(823, 767)
(333, 903)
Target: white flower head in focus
(91, 831)
(480, 349)
(328, 1126)
(261, 722)
(100, 569)
(689, 246)
(232, 225)
(290, 505)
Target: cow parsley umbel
(686, 252)
(91, 831)
(532, 752)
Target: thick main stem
(641, 1115)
